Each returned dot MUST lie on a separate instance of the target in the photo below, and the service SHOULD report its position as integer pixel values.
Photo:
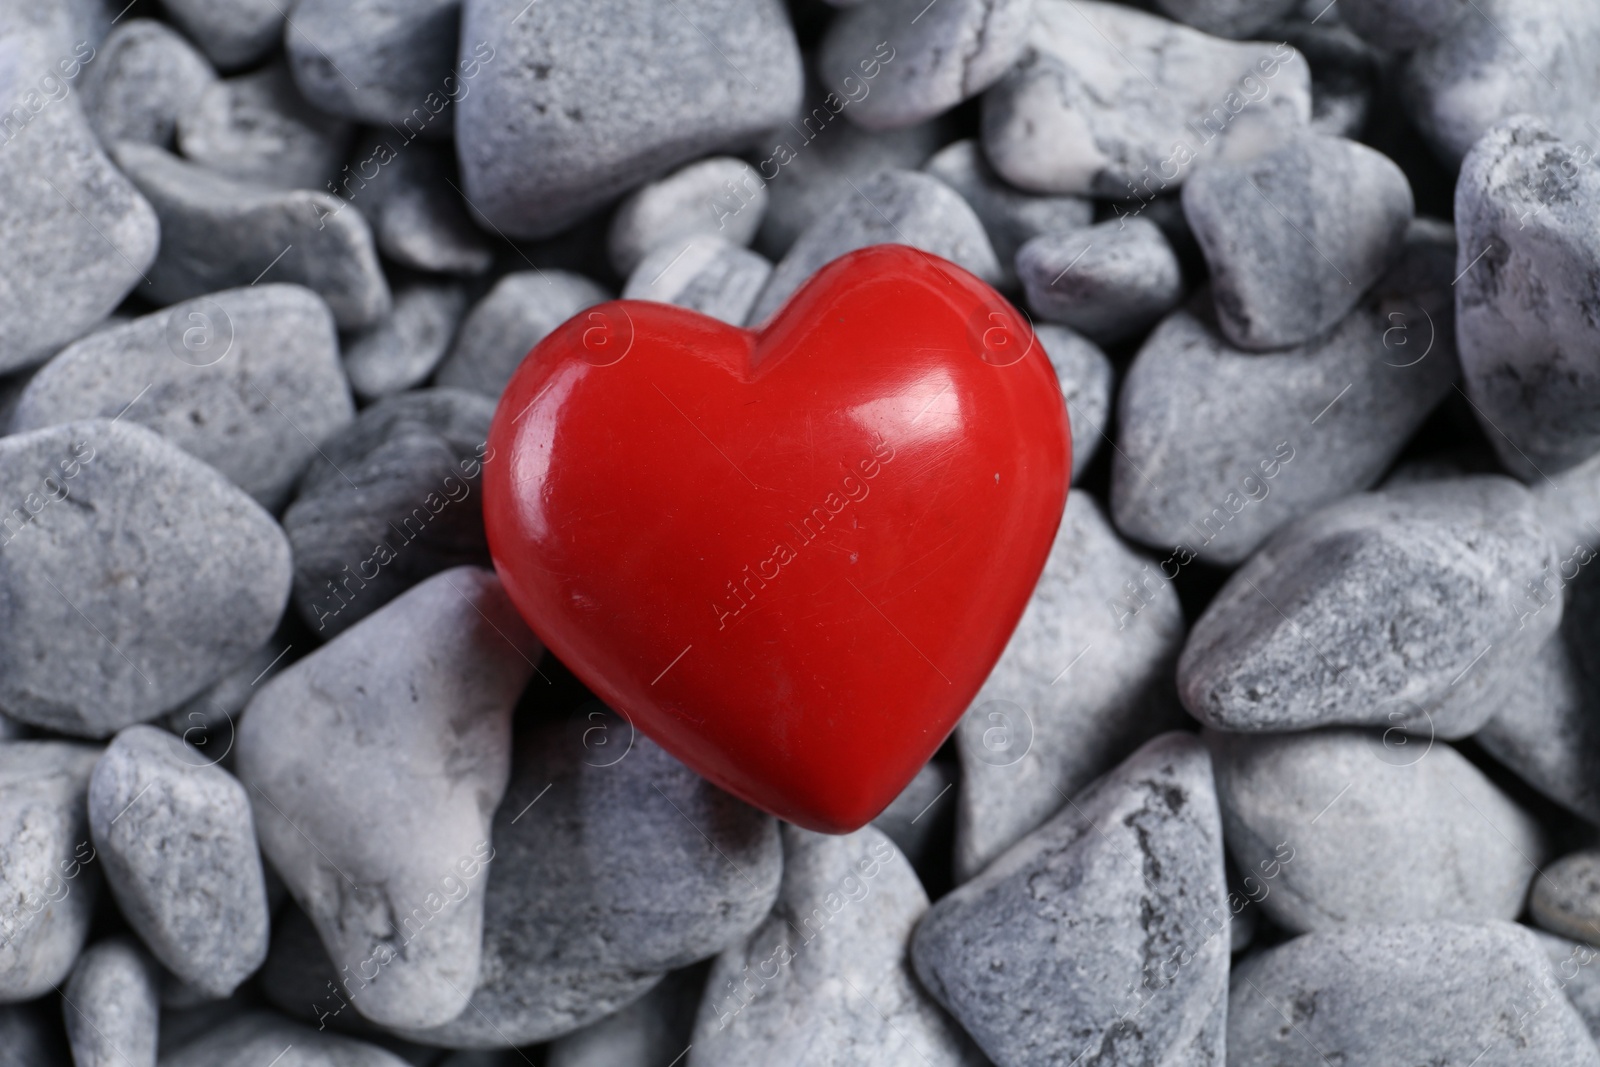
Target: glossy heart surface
(792, 555)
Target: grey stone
(820, 163)
(705, 274)
(505, 325)
(1296, 237)
(1393, 608)
(254, 1038)
(416, 212)
(650, 1032)
(630, 865)
(257, 128)
(217, 233)
(693, 201)
(111, 1006)
(842, 991)
(1109, 282)
(1102, 934)
(1524, 204)
(1112, 102)
(1085, 679)
(389, 503)
(1402, 25)
(1010, 216)
(1505, 58)
(133, 576)
(1440, 992)
(247, 380)
(374, 765)
(1085, 375)
(1347, 75)
(1569, 505)
(210, 721)
(937, 56)
(1218, 447)
(375, 60)
(1323, 817)
(1566, 896)
(29, 1037)
(576, 106)
(233, 33)
(78, 236)
(407, 344)
(175, 834)
(1240, 19)
(48, 880)
(143, 77)
(891, 207)
(912, 819)
(1576, 975)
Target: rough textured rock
(389, 502)
(1504, 58)
(48, 880)
(1407, 993)
(111, 1005)
(706, 274)
(1393, 608)
(941, 55)
(247, 380)
(407, 344)
(217, 233)
(1085, 375)
(1217, 447)
(416, 212)
(891, 207)
(502, 327)
(258, 128)
(1566, 896)
(576, 107)
(1296, 237)
(1010, 216)
(842, 990)
(175, 834)
(1333, 813)
(374, 765)
(255, 1037)
(629, 866)
(1109, 282)
(720, 196)
(1103, 933)
(1529, 250)
(78, 236)
(376, 60)
(233, 33)
(1085, 679)
(133, 576)
(1228, 18)
(650, 1032)
(1112, 102)
(143, 77)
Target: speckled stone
(1109, 282)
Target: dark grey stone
(375, 60)
(720, 197)
(111, 1006)
(1347, 74)
(1395, 608)
(1109, 282)
(891, 207)
(576, 105)
(1296, 237)
(247, 380)
(1085, 679)
(374, 765)
(30, 1037)
(1440, 992)
(1402, 25)
(133, 576)
(1112, 102)
(217, 233)
(406, 345)
(650, 1032)
(705, 274)
(1103, 933)
(257, 128)
(233, 33)
(505, 325)
(389, 502)
(912, 819)
(142, 78)
(405, 187)
(175, 834)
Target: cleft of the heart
(789, 555)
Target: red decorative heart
(790, 556)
